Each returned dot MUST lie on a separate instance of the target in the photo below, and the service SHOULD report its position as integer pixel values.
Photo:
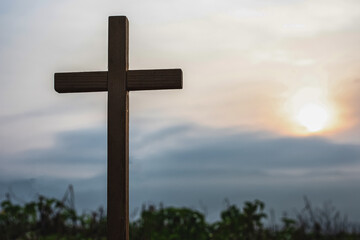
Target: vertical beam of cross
(118, 81)
(118, 129)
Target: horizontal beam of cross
(136, 80)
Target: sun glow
(314, 117)
(310, 111)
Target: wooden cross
(118, 81)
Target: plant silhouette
(50, 218)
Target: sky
(269, 110)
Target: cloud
(187, 164)
(202, 164)
(232, 53)
(191, 154)
(299, 18)
(78, 154)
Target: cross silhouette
(118, 81)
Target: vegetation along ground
(50, 218)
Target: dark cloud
(194, 166)
(86, 146)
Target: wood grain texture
(80, 82)
(118, 130)
(154, 79)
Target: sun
(310, 110)
(314, 117)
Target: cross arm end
(155, 79)
(80, 82)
